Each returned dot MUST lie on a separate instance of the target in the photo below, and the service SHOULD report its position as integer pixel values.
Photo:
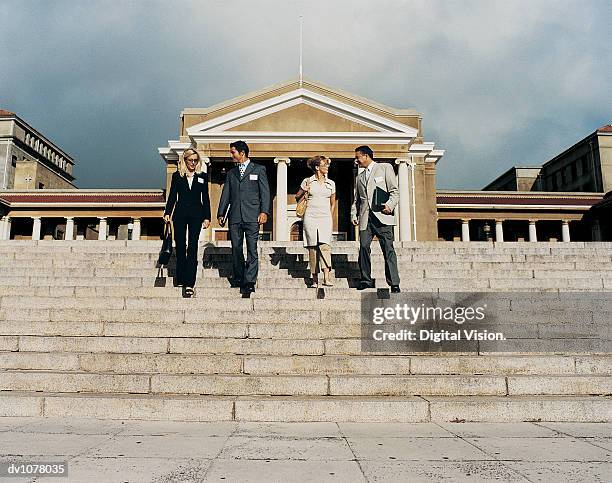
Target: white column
(465, 230)
(2, 227)
(413, 198)
(565, 232)
(136, 229)
(102, 228)
(6, 233)
(533, 234)
(404, 199)
(280, 216)
(69, 235)
(499, 231)
(36, 228)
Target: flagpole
(301, 48)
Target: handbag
(166, 250)
(160, 280)
(300, 209)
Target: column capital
(412, 158)
(282, 160)
(205, 160)
(137, 218)
(36, 217)
(403, 161)
(69, 217)
(499, 220)
(465, 220)
(565, 222)
(532, 222)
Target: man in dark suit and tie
(247, 195)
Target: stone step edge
(308, 409)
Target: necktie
(241, 167)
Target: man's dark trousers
(244, 273)
(385, 239)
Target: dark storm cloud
(498, 83)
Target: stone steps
(443, 364)
(521, 326)
(529, 346)
(296, 290)
(306, 385)
(308, 408)
(425, 269)
(84, 332)
(408, 269)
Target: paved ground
(121, 451)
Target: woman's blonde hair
(316, 161)
(182, 167)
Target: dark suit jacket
(186, 202)
(248, 197)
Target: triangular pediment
(301, 111)
(303, 118)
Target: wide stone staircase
(91, 329)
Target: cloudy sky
(499, 83)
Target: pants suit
(190, 204)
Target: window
(41, 186)
(14, 161)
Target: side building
(30, 160)
(584, 167)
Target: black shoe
(188, 292)
(364, 285)
(247, 288)
(395, 289)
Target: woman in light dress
(317, 224)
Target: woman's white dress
(317, 224)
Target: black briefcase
(166, 250)
(379, 198)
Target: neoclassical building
(288, 123)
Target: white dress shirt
(368, 171)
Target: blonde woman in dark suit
(189, 200)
